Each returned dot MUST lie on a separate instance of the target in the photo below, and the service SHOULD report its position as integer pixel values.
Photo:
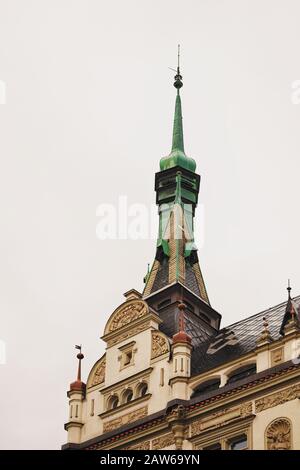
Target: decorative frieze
(159, 344)
(163, 441)
(220, 418)
(128, 334)
(277, 398)
(125, 419)
(278, 435)
(141, 446)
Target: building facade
(171, 377)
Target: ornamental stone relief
(221, 418)
(99, 374)
(125, 419)
(276, 356)
(277, 398)
(127, 313)
(159, 345)
(278, 435)
(142, 446)
(163, 441)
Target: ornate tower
(170, 378)
(175, 273)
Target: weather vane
(178, 78)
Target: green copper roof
(177, 156)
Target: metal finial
(289, 289)
(80, 356)
(178, 78)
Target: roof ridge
(297, 297)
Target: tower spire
(177, 143)
(177, 157)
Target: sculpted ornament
(127, 314)
(162, 442)
(129, 418)
(142, 446)
(128, 334)
(159, 345)
(278, 435)
(99, 374)
(277, 398)
(221, 418)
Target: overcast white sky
(88, 114)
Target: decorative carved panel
(141, 446)
(220, 418)
(277, 398)
(163, 441)
(125, 419)
(279, 435)
(99, 374)
(159, 345)
(276, 356)
(127, 313)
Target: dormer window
(242, 373)
(207, 386)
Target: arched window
(207, 386)
(142, 390)
(127, 396)
(241, 373)
(112, 402)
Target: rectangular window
(216, 446)
(238, 443)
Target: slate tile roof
(237, 339)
